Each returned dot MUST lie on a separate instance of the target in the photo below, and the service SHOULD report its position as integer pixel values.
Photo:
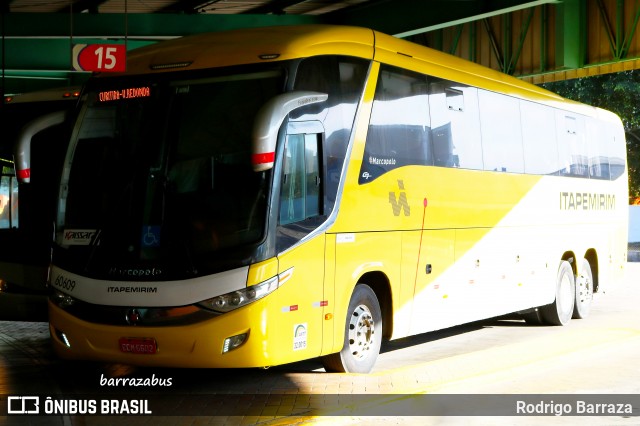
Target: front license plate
(138, 345)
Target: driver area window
(300, 190)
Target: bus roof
(248, 46)
(389, 49)
(255, 45)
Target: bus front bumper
(200, 345)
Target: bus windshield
(159, 173)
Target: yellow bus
(258, 197)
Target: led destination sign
(131, 93)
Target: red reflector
(267, 157)
(24, 174)
(138, 345)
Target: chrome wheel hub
(361, 332)
(583, 287)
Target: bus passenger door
(301, 247)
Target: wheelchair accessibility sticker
(150, 236)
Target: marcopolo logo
(135, 272)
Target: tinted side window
(539, 140)
(617, 151)
(501, 132)
(300, 191)
(572, 145)
(455, 124)
(343, 78)
(597, 141)
(399, 129)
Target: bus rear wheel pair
(574, 295)
(363, 334)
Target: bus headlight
(237, 299)
(61, 299)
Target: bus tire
(532, 317)
(362, 337)
(584, 291)
(561, 310)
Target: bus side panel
(430, 279)
(509, 268)
(494, 272)
(456, 209)
(410, 268)
(618, 234)
(300, 301)
(329, 344)
(358, 254)
(512, 230)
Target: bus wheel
(561, 310)
(363, 334)
(584, 291)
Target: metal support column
(570, 33)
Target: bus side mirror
(269, 120)
(23, 145)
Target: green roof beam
(571, 23)
(136, 25)
(501, 10)
(523, 35)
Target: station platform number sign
(100, 57)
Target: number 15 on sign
(99, 57)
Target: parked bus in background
(27, 211)
(258, 197)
